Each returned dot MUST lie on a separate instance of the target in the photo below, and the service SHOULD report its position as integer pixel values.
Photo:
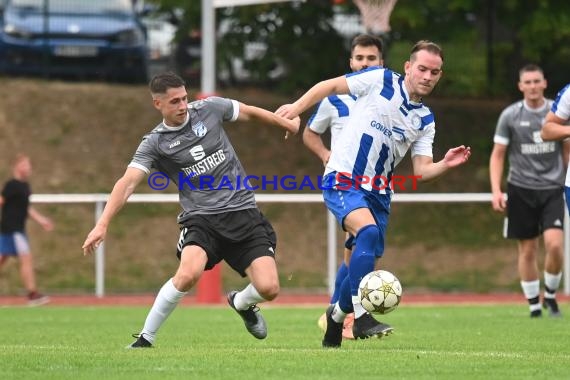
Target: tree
(478, 36)
(539, 33)
(513, 31)
(297, 36)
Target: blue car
(80, 38)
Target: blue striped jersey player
(334, 112)
(556, 127)
(384, 134)
(388, 119)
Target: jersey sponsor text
(540, 148)
(206, 164)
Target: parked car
(102, 38)
(161, 29)
(236, 69)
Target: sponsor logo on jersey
(525, 123)
(538, 148)
(197, 152)
(203, 165)
(176, 143)
(378, 126)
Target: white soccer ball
(380, 292)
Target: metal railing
(99, 201)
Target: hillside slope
(82, 135)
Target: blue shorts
(342, 202)
(14, 244)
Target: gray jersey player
(218, 223)
(535, 181)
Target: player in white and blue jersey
(333, 113)
(535, 204)
(219, 223)
(387, 120)
(556, 127)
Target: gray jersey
(533, 163)
(200, 159)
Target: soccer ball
(380, 292)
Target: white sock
(552, 282)
(535, 307)
(337, 314)
(359, 310)
(531, 289)
(165, 302)
(247, 297)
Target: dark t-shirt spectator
(16, 196)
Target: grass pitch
(439, 342)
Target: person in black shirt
(15, 209)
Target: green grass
(473, 342)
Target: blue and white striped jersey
(561, 108)
(332, 112)
(383, 125)
(561, 105)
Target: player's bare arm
(565, 152)
(554, 128)
(429, 170)
(122, 190)
(314, 142)
(42, 220)
(247, 112)
(496, 165)
(315, 94)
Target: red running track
(283, 299)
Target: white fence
(100, 199)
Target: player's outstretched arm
(247, 112)
(122, 190)
(427, 170)
(315, 94)
(566, 152)
(314, 142)
(554, 128)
